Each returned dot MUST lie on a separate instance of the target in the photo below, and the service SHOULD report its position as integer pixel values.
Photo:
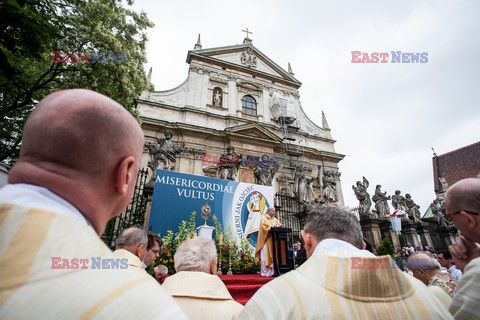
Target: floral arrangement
(242, 256)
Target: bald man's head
(80, 130)
(462, 203)
(423, 267)
(464, 195)
(84, 147)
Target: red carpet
(243, 286)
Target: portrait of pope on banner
(256, 208)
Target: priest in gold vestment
(264, 249)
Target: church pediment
(244, 56)
(253, 131)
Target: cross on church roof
(247, 32)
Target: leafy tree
(32, 29)
(386, 248)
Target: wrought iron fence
(134, 214)
(287, 209)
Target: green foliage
(386, 248)
(242, 257)
(32, 29)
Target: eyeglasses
(469, 212)
(154, 251)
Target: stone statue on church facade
(300, 185)
(365, 203)
(249, 59)
(163, 153)
(437, 212)
(380, 198)
(309, 192)
(443, 184)
(265, 171)
(326, 181)
(412, 208)
(398, 201)
(217, 97)
(229, 164)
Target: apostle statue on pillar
(365, 203)
(380, 198)
(398, 201)
(412, 208)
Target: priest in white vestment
(131, 244)
(77, 169)
(196, 287)
(341, 281)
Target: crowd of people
(79, 160)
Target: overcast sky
(385, 117)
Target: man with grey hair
(340, 280)
(195, 287)
(160, 273)
(462, 204)
(427, 270)
(132, 245)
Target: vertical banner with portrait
(237, 205)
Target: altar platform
(243, 286)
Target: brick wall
(457, 165)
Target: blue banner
(237, 205)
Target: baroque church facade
(238, 116)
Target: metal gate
(287, 209)
(133, 215)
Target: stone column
(409, 232)
(371, 231)
(387, 232)
(423, 231)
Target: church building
(238, 116)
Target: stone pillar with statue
(364, 201)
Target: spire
(290, 69)
(149, 77)
(324, 122)
(198, 45)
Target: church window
(249, 105)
